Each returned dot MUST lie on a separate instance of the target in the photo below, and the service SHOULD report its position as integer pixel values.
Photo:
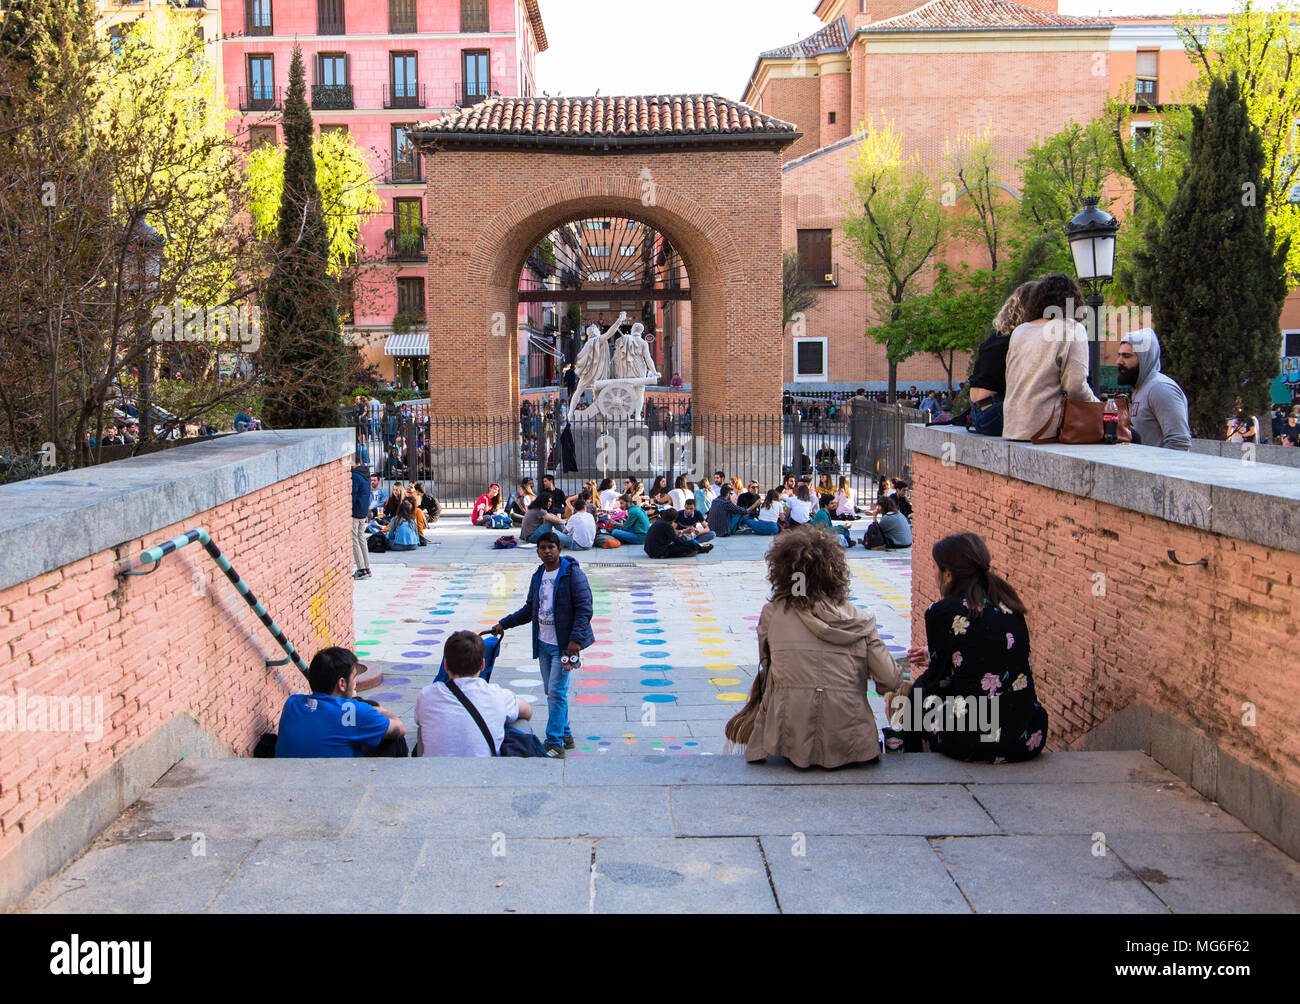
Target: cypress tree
(1212, 272)
(303, 356)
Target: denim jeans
(555, 681)
(624, 537)
(564, 538)
(763, 527)
(987, 421)
(736, 520)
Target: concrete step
(1068, 832)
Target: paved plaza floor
(675, 650)
(649, 814)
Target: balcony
(331, 97)
(259, 99)
(822, 279)
(465, 100)
(406, 245)
(1146, 94)
(401, 17)
(410, 96)
(406, 172)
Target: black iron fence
(457, 458)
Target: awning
(407, 344)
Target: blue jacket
(360, 495)
(572, 607)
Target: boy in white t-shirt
(581, 527)
(445, 726)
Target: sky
(705, 46)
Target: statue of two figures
(623, 395)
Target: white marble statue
(592, 365)
(634, 362)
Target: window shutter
(347, 68)
(1147, 64)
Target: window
(475, 80)
(117, 38)
(404, 76)
(326, 130)
(260, 136)
(406, 161)
(332, 69)
(810, 359)
(598, 250)
(1291, 343)
(830, 118)
(257, 17)
(597, 224)
(410, 296)
(815, 256)
(347, 300)
(261, 84)
(401, 16)
(1148, 77)
(473, 15)
(329, 17)
(408, 226)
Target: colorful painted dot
(659, 698)
(591, 699)
(690, 744)
(649, 630)
(651, 641)
(408, 667)
(645, 620)
(724, 681)
(593, 739)
(605, 742)
(656, 683)
(593, 683)
(416, 655)
(733, 696)
(387, 697)
(656, 668)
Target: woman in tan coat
(817, 653)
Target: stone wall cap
(58, 519)
(1253, 501)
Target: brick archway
(702, 170)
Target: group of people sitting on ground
(973, 698)
(1038, 354)
(387, 520)
(683, 520)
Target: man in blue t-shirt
(332, 721)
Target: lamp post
(1092, 243)
(147, 245)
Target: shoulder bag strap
(1040, 436)
(478, 719)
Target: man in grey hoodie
(1158, 408)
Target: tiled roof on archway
(609, 122)
(965, 15)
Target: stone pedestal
(616, 450)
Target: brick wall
(1195, 643)
(176, 642)
(720, 208)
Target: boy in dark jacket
(360, 515)
(559, 608)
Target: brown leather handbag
(1081, 422)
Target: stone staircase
(1068, 832)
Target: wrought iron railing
(259, 99)
(407, 96)
(331, 97)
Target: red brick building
(935, 71)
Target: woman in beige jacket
(1047, 356)
(817, 653)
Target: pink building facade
(375, 68)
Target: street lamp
(146, 245)
(1092, 243)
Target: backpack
(874, 538)
(503, 543)
(377, 543)
(497, 521)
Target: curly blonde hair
(1012, 314)
(812, 560)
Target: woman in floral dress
(977, 646)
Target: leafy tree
(980, 171)
(1213, 271)
(900, 227)
(797, 295)
(348, 194)
(304, 359)
(102, 156)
